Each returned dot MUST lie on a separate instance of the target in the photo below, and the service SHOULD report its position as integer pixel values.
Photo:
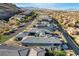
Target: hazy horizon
(60, 6)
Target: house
(18, 17)
(46, 18)
(13, 51)
(23, 52)
(32, 32)
(38, 32)
(42, 41)
(40, 51)
(32, 52)
(21, 35)
(42, 24)
(46, 25)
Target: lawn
(3, 38)
(57, 53)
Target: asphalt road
(70, 41)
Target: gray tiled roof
(41, 53)
(22, 34)
(41, 40)
(39, 30)
(23, 52)
(13, 51)
(44, 27)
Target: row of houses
(41, 36)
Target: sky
(61, 6)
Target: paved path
(71, 43)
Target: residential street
(70, 42)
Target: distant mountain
(7, 10)
(72, 9)
(29, 8)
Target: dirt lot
(12, 42)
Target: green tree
(0, 36)
(57, 53)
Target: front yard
(3, 38)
